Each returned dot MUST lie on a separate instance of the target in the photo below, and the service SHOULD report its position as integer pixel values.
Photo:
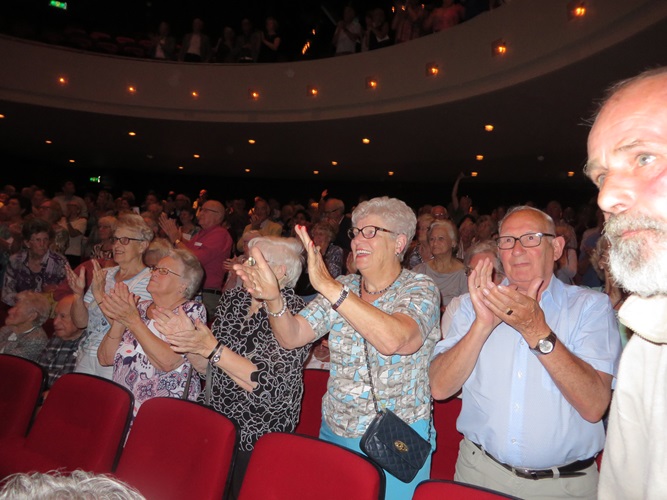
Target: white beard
(638, 264)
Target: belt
(571, 470)
(212, 290)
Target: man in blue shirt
(535, 359)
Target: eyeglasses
(367, 232)
(124, 240)
(527, 240)
(163, 271)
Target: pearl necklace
(379, 292)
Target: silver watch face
(545, 346)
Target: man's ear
(558, 245)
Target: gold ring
(509, 311)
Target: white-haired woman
(394, 312)
(254, 381)
(444, 268)
(130, 240)
(23, 335)
(141, 358)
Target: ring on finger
(251, 261)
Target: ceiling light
(390, 173)
(253, 95)
(1, 117)
(195, 156)
(247, 170)
(251, 141)
(72, 161)
(479, 157)
(62, 80)
(488, 128)
(181, 167)
(194, 94)
(499, 47)
(132, 89)
(570, 174)
(334, 163)
(132, 133)
(48, 141)
(371, 83)
(473, 174)
(366, 140)
(316, 172)
(432, 69)
(312, 91)
(576, 9)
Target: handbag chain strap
(375, 401)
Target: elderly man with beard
(627, 151)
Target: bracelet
(279, 313)
(218, 352)
(343, 295)
(217, 346)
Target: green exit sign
(97, 179)
(58, 5)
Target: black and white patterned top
(275, 403)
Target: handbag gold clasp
(400, 446)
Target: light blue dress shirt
(511, 406)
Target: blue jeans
(395, 488)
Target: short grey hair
(551, 225)
(137, 224)
(287, 252)
(78, 485)
(109, 219)
(157, 249)
(486, 246)
(37, 303)
(193, 272)
(449, 226)
(399, 217)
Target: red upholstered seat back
(83, 423)
(314, 387)
(439, 489)
(21, 383)
(290, 466)
(178, 449)
(443, 462)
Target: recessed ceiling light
(576, 9)
(72, 161)
(570, 173)
(194, 94)
(432, 69)
(251, 141)
(334, 163)
(499, 47)
(316, 172)
(1, 117)
(390, 173)
(48, 141)
(366, 140)
(132, 133)
(132, 89)
(488, 128)
(62, 80)
(195, 156)
(247, 170)
(312, 91)
(473, 174)
(371, 83)
(181, 167)
(253, 95)
(479, 157)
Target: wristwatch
(545, 345)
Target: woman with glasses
(444, 268)
(253, 380)
(130, 240)
(391, 312)
(141, 358)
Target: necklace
(380, 292)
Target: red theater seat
(21, 382)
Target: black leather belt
(212, 290)
(571, 470)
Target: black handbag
(391, 443)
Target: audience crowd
(251, 41)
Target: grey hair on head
(398, 217)
(279, 251)
(551, 225)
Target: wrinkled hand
(182, 335)
(121, 305)
(526, 314)
(169, 227)
(99, 281)
(76, 282)
(478, 281)
(259, 279)
(317, 269)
